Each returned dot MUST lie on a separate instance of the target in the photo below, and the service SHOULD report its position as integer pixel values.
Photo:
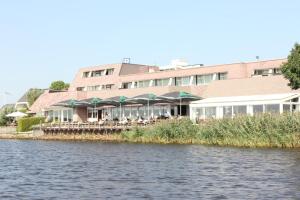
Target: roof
(248, 86)
(24, 97)
(252, 98)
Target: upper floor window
(204, 79)
(162, 82)
(277, 71)
(222, 76)
(182, 81)
(109, 71)
(93, 88)
(80, 89)
(97, 73)
(262, 72)
(107, 87)
(126, 85)
(143, 84)
(86, 74)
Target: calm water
(82, 170)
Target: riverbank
(83, 137)
(280, 131)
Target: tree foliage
(291, 68)
(33, 95)
(59, 85)
(3, 113)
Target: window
(258, 109)
(109, 71)
(261, 72)
(107, 87)
(182, 81)
(204, 79)
(162, 82)
(210, 112)
(126, 85)
(67, 115)
(92, 113)
(222, 76)
(97, 73)
(286, 107)
(272, 108)
(93, 88)
(199, 112)
(227, 111)
(239, 110)
(86, 74)
(186, 81)
(80, 89)
(143, 84)
(276, 71)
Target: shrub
(25, 124)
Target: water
(85, 170)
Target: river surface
(90, 170)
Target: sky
(44, 41)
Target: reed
(266, 130)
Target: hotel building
(237, 81)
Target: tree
(291, 68)
(33, 95)
(59, 85)
(3, 113)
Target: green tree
(291, 68)
(33, 95)
(3, 113)
(59, 85)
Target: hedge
(25, 124)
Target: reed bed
(266, 130)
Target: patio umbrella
(179, 96)
(143, 99)
(116, 101)
(16, 114)
(94, 102)
(72, 103)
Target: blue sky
(42, 41)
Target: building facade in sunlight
(131, 80)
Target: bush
(25, 124)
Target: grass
(267, 130)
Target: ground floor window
(258, 109)
(210, 112)
(239, 110)
(272, 108)
(92, 114)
